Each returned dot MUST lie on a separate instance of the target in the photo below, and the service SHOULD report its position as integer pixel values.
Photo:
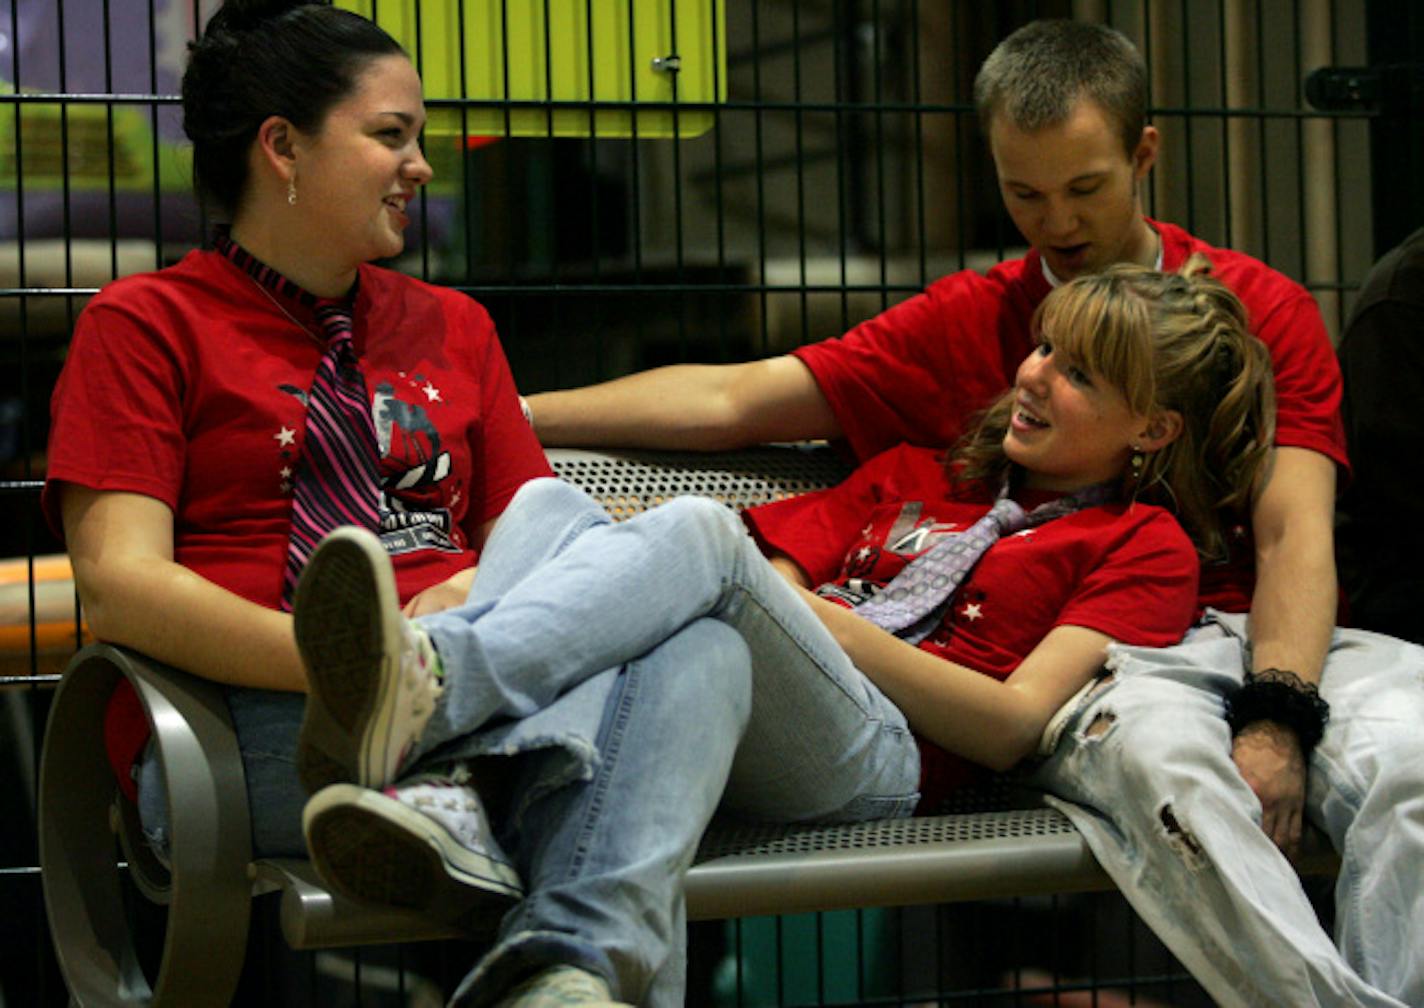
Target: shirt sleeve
(918, 371)
(117, 411)
(1307, 376)
(815, 529)
(1143, 590)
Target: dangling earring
(1136, 464)
(292, 191)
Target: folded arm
(996, 724)
(703, 407)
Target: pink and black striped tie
(338, 481)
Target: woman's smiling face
(1070, 428)
(356, 176)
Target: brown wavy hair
(1166, 341)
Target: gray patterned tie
(910, 606)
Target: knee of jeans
(712, 667)
(705, 524)
(546, 491)
(704, 513)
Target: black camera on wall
(1395, 89)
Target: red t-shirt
(919, 372)
(188, 385)
(1126, 571)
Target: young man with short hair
(1064, 108)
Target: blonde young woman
(1145, 394)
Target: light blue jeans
(586, 659)
(1144, 771)
(795, 733)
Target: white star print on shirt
(286, 436)
(972, 612)
(432, 394)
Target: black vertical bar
(878, 72)
(508, 133)
(153, 139)
(422, 195)
(1222, 78)
(857, 142)
(467, 175)
(1147, 11)
(66, 192)
(917, 99)
(1262, 133)
(551, 194)
(201, 239)
(637, 187)
(839, 35)
(677, 188)
(595, 253)
(717, 195)
(23, 282)
(963, 138)
(112, 192)
(798, 119)
(1188, 119)
(1335, 124)
(1304, 267)
(760, 171)
(737, 960)
(511, 247)
(780, 936)
(551, 170)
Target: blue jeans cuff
(519, 956)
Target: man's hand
(1269, 758)
(446, 595)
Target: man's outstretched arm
(1292, 617)
(703, 407)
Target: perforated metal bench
(989, 849)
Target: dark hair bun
(249, 15)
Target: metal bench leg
(209, 895)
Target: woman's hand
(447, 594)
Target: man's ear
(1164, 428)
(276, 146)
(1144, 156)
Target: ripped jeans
(1144, 771)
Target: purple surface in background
(136, 29)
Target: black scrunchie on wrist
(1283, 697)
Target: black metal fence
(786, 169)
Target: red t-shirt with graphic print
(188, 385)
(1127, 571)
(918, 372)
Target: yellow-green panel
(597, 50)
(55, 139)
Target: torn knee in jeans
(1179, 838)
